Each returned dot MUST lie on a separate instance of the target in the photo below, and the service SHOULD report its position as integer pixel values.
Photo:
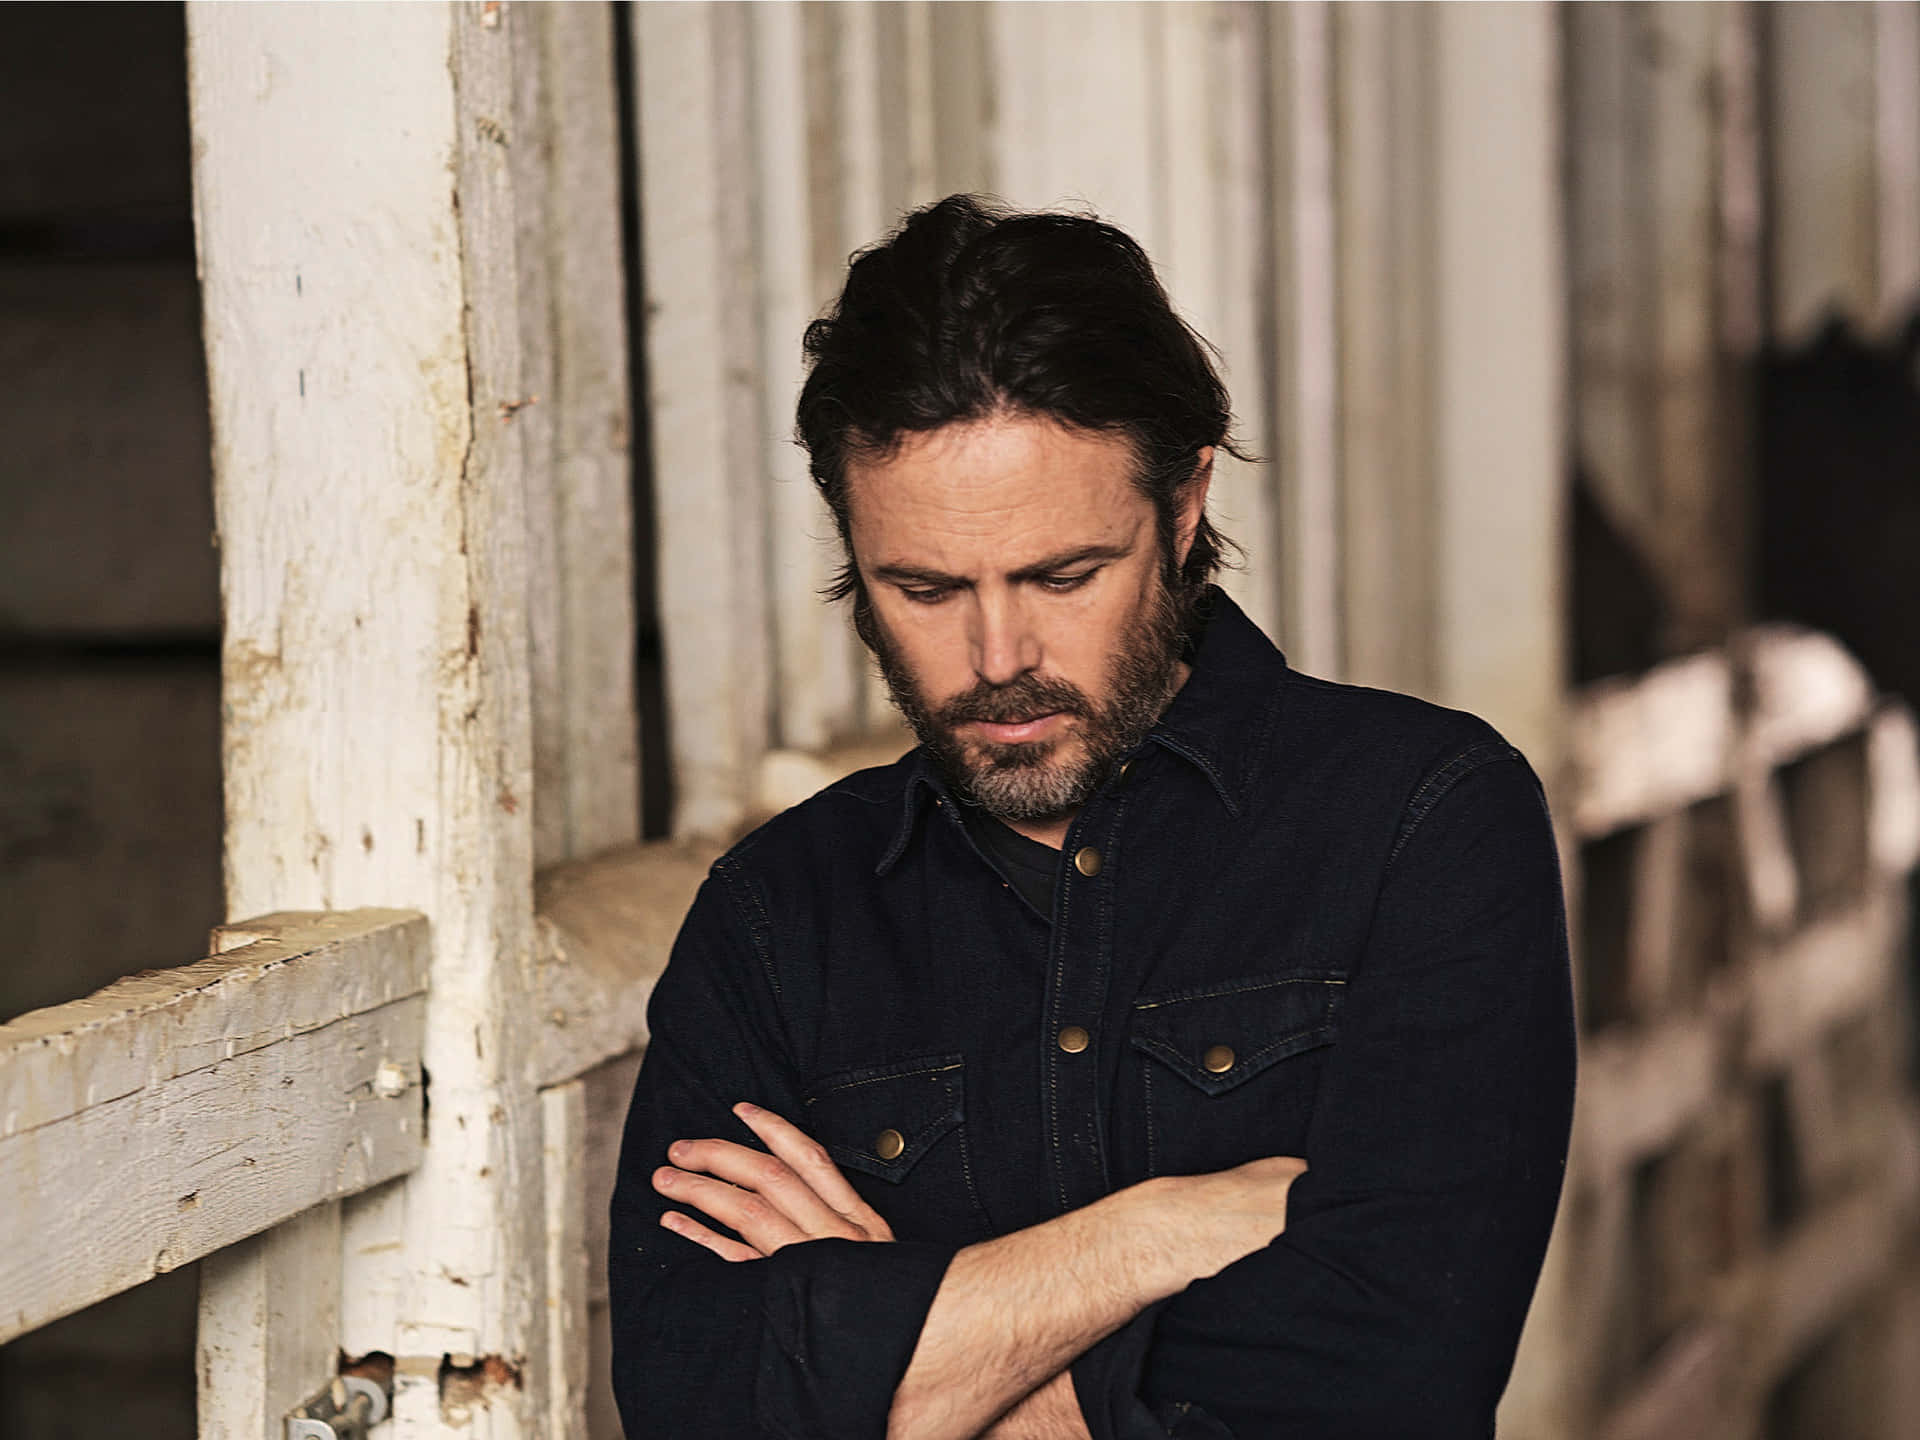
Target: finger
(769, 1177)
(691, 1229)
(747, 1214)
(808, 1159)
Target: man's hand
(795, 1193)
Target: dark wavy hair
(970, 309)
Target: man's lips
(1013, 733)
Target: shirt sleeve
(811, 1341)
(1393, 1303)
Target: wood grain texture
(1821, 144)
(193, 1143)
(269, 1326)
(563, 1124)
(360, 283)
(574, 424)
(703, 368)
(607, 927)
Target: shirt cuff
(842, 1320)
(1107, 1384)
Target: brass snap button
(888, 1144)
(1087, 861)
(1074, 1038)
(1218, 1059)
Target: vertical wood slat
(575, 427)
(706, 417)
(816, 669)
(563, 1130)
(1498, 352)
(269, 1326)
(1691, 529)
(1822, 147)
(1897, 160)
(1383, 219)
(362, 329)
(1304, 430)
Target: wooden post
(575, 428)
(1303, 436)
(1822, 144)
(706, 413)
(1383, 218)
(356, 215)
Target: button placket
(1082, 945)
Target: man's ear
(1191, 503)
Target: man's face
(1019, 607)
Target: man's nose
(1004, 645)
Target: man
(1171, 1044)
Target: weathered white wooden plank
(705, 423)
(1821, 142)
(362, 326)
(1804, 691)
(1638, 1091)
(1384, 220)
(1500, 364)
(574, 423)
(1893, 793)
(1212, 154)
(818, 673)
(563, 1126)
(1303, 435)
(278, 976)
(1702, 575)
(1639, 747)
(1078, 94)
(269, 1326)
(1896, 45)
(964, 97)
(111, 1194)
(606, 928)
(1836, 968)
(1608, 263)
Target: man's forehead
(1017, 490)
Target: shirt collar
(1220, 722)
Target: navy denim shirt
(1306, 919)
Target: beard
(1041, 780)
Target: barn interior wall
(109, 607)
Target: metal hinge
(346, 1410)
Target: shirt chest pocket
(898, 1133)
(1231, 1072)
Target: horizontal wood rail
(179, 1111)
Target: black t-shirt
(1029, 866)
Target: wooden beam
(354, 188)
(1656, 742)
(606, 928)
(181, 1111)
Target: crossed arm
(1012, 1313)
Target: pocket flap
(1223, 1035)
(880, 1121)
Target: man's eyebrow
(1053, 564)
(925, 575)
(916, 575)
